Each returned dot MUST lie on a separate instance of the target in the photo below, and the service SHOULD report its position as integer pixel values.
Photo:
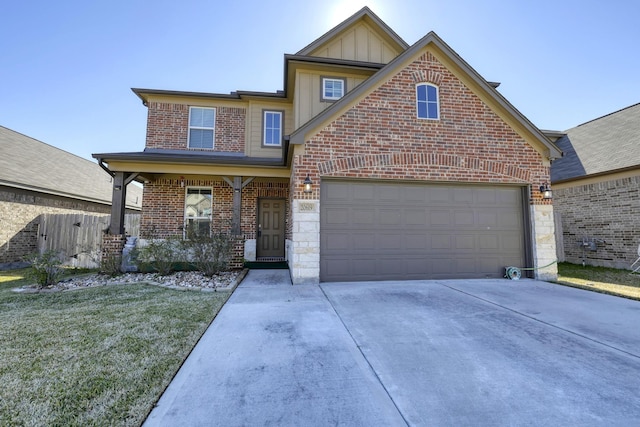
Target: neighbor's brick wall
(168, 127)
(381, 138)
(163, 207)
(607, 213)
(19, 219)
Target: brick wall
(607, 214)
(19, 219)
(168, 127)
(381, 137)
(163, 206)
(112, 246)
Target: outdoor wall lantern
(546, 191)
(307, 184)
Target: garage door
(405, 231)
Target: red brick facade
(381, 138)
(163, 207)
(168, 127)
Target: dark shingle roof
(29, 164)
(606, 144)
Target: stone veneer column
(304, 256)
(544, 242)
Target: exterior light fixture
(307, 184)
(547, 194)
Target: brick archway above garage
(477, 166)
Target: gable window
(201, 127)
(272, 128)
(427, 102)
(198, 207)
(332, 88)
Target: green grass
(93, 357)
(600, 279)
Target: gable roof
(363, 14)
(29, 164)
(299, 136)
(606, 144)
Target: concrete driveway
(420, 353)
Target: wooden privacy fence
(78, 237)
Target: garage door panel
(440, 218)
(383, 231)
(463, 218)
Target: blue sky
(67, 66)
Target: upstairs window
(272, 128)
(201, 127)
(197, 212)
(332, 88)
(427, 103)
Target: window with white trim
(333, 88)
(427, 102)
(272, 128)
(198, 207)
(202, 123)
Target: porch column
(119, 200)
(237, 205)
(118, 203)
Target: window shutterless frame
(332, 88)
(427, 101)
(202, 127)
(198, 209)
(272, 122)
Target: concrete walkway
(480, 352)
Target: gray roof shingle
(33, 165)
(606, 144)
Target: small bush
(46, 268)
(209, 254)
(111, 265)
(160, 254)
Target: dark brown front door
(271, 228)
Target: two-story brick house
(378, 160)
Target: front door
(271, 228)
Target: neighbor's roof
(29, 164)
(609, 143)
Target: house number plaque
(307, 207)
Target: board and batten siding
(307, 95)
(359, 43)
(254, 128)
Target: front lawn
(600, 279)
(96, 356)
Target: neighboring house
(596, 189)
(36, 179)
(378, 160)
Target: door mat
(265, 265)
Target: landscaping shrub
(209, 254)
(160, 254)
(46, 268)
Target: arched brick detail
(427, 76)
(408, 161)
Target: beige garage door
(389, 231)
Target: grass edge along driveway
(97, 356)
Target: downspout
(106, 169)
